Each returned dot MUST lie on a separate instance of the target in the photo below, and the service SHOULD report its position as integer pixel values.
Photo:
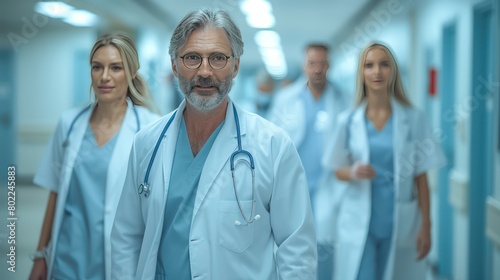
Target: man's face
(206, 88)
(316, 65)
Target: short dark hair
(322, 46)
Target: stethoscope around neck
(145, 189)
(66, 140)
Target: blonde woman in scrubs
(85, 163)
(383, 149)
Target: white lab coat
(288, 112)
(218, 248)
(415, 151)
(56, 168)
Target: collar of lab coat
(401, 131)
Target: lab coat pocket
(408, 223)
(234, 237)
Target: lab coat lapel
(124, 140)
(357, 131)
(401, 137)
(75, 139)
(115, 182)
(225, 144)
(166, 157)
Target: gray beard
(203, 103)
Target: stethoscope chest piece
(144, 189)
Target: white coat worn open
(57, 167)
(415, 151)
(219, 249)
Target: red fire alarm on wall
(432, 81)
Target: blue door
(447, 90)
(481, 149)
(7, 102)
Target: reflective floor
(30, 210)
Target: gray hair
(217, 18)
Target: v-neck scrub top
(173, 254)
(80, 249)
(382, 160)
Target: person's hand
(423, 241)
(39, 270)
(360, 171)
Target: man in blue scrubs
(307, 110)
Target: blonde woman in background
(85, 163)
(383, 149)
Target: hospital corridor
(346, 140)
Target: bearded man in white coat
(212, 191)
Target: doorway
(447, 82)
(481, 144)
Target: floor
(30, 210)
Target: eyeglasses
(193, 60)
(314, 64)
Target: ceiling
(297, 21)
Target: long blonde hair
(138, 91)
(395, 86)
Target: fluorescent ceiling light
(267, 39)
(81, 18)
(280, 74)
(66, 13)
(53, 9)
(259, 13)
(262, 20)
(253, 7)
(274, 61)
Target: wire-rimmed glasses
(193, 60)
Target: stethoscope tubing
(157, 146)
(145, 189)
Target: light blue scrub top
(311, 148)
(173, 254)
(80, 247)
(382, 160)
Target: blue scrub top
(173, 254)
(382, 160)
(79, 251)
(311, 148)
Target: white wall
(431, 19)
(44, 63)
(44, 83)
(152, 46)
